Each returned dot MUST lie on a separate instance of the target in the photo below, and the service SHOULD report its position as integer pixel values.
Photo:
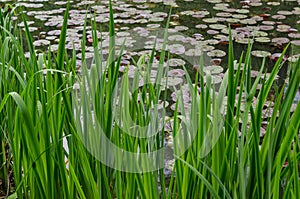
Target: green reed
(42, 109)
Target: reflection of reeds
(40, 110)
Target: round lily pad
(41, 42)
(242, 11)
(172, 81)
(176, 49)
(284, 12)
(193, 52)
(233, 20)
(216, 53)
(294, 58)
(206, 48)
(260, 53)
(262, 39)
(278, 17)
(280, 40)
(216, 79)
(294, 35)
(268, 23)
(275, 56)
(217, 26)
(181, 28)
(266, 27)
(210, 20)
(176, 73)
(223, 14)
(283, 28)
(212, 32)
(211, 41)
(273, 3)
(244, 40)
(213, 69)
(248, 21)
(201, 26)
(259, 33)
(239, 16)
(295, 42)
(174, 62)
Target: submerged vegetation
(53, 120)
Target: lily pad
(266, 27)
(223, 14)
(176, 73)
(295, 42)
(193, 53)
(244, 40)
(217, 26)
(201, 26)
(284, 12)
(283, 28)
(41, 42)
(248, 21)
(176, 49)
(174, 62)
(239, 16)
(280, 40)
(216, 53)
(294, 35)
(262, 39)
(258, 33)
(172, 81)
(210, 20)
(294, 58)
(260, 53)
(212, 32)
(213, 69)
(278, 17)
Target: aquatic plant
(52, 119)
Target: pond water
(195, 26)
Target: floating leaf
(258, 33)
(262, 39)
(278, 17)
(280, 40)
(174, 62)
(266, 27)
(294, 58)
(294, 35)
(217, 26)
(210, 20)
(284, 12)
(260, 53)
(242, 11)
(248, 21)
(244, 40)
(283, 28)
(216, 53)
(275, 56)
(41, 42)
(239, 16)
(213, 69)
(223, 14)
(201, 26)
(212, 32)
(176, 73)
(295, 42)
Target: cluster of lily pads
(268, 24)
(195, 28)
